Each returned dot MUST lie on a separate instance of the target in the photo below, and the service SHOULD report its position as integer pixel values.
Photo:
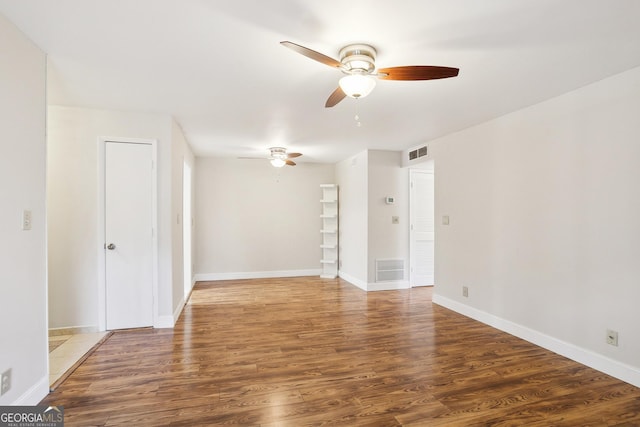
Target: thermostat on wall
(390, 200)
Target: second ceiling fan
(357, 61)
(279, 157)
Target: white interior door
(422, 233)
(129, 235)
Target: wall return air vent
(389, 270)
(417, 153)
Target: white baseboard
(622, 371)
(206, 277)
(35, 394)
(388, 286)
(178, 311)
(165, 321)
(379, 286)
(355, 282)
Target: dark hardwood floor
(306, 351)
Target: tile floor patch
(66, 350)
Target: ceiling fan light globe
(278, 163)
(357, 85)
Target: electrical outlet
(612, 337)
(465, 291)
(5, 382)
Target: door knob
(111, 246)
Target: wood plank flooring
(307, 351)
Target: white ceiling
(218, 68)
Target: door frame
(187, 230)
(425, 170)
(102, 284)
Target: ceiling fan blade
(290, 162)
(293, 155)
(417, 72)
(337, 96)
(316, 56)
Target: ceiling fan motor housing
(358, 58)
(278, 153)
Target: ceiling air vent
(420, 152)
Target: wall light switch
(445, 219)
(26, 219)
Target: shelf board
(329, 230)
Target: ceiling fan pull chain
(357, 116)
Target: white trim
(378, 286)
(102, 140)
(622, 371)
(169, 321)
(165, 321)
(355, 282)
(178, 311)
(206, 277)
(388, 286)
(413, 172)
(187, 224)
(35, 394)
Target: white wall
(387, 240)
(180, 153)
(366, 231)
(23, 292)
(72, 203)
(254, 220)
(352, 180)
(544, 206)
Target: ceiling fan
(357, 61)
(279, 157)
